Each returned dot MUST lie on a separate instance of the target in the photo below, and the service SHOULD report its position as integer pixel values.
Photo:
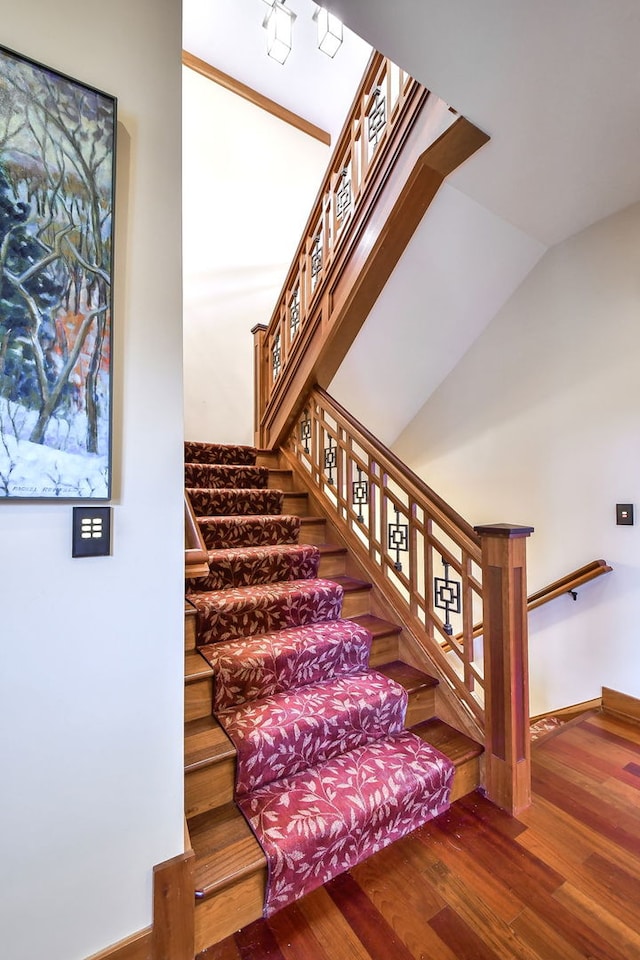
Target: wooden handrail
(196, 558)
(568, 583)
(388, 457)
(380, 181)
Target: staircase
(273, 572)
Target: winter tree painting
(56, 224)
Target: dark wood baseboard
(135, 947)
(620, 704)
(567, 713)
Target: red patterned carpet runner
(326, 773)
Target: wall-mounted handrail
(565, 585)
(568, 583)
(196, 558)
(437, 572)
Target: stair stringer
(413, 649)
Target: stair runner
(326, 772)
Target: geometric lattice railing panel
(428, 554)
(385, 98)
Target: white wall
(538, 424)
(436, 313)
(249, 182)
(91, 655)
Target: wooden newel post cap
(509, 530)
(259, 328)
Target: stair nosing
(474, 749)
(225, 748)
(193, 674)
(254, 866)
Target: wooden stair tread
(205, 742)
(196, 667)
(407, 676)
(457, 746)
(351, 584)
(225, 849)
(378, 627)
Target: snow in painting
(56, 205)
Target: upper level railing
(382, 100)
(379, 182)
(441, 576)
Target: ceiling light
(329, 31)
(278, 23)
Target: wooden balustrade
(444, 575)
(398, 144)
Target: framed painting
(57, 166)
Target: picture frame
(57, 196)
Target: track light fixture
(278, 22)
(329, 32)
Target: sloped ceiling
(557, 87)
(555, 84)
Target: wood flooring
(560, 882)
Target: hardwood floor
(560, 882)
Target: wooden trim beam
(257, 99)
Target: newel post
(506, 665)
(260, 373)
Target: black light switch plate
(91, 532)
(624, 514)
